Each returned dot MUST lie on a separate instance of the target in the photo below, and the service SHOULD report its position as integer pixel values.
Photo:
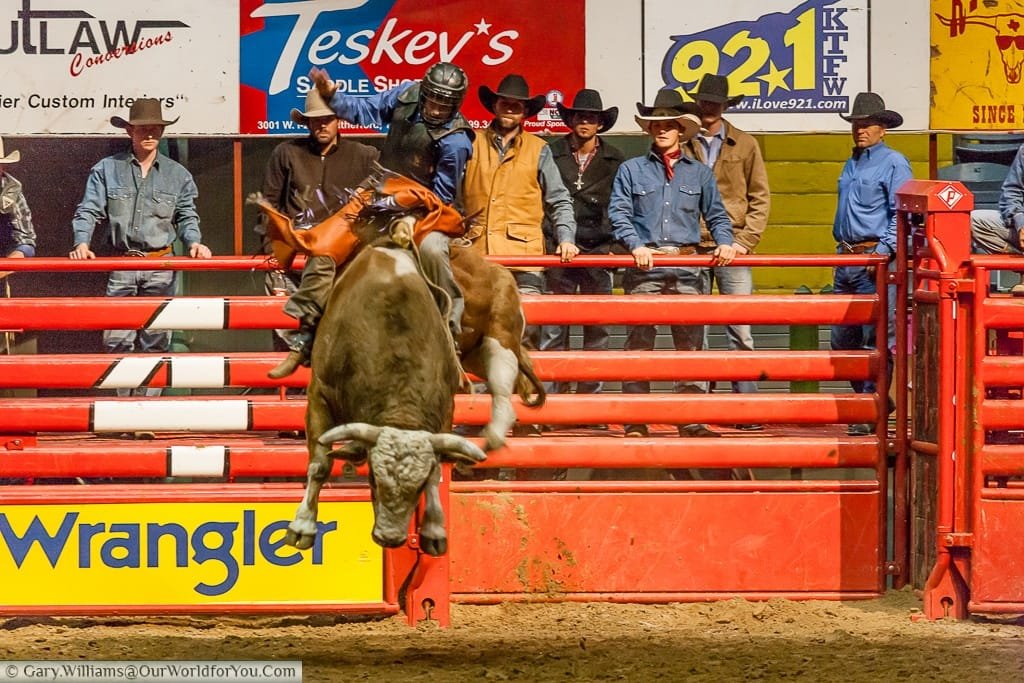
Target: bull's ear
(354, 430)
(457, 448)
(353, 452)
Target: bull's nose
(388, 541)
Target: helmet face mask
(441, 92)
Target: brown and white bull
(384, 375)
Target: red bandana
(667, 159)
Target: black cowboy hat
(588, 101)
(867, 106)
(512, 87)
(714, 88)
(670, 106)
(143, 112)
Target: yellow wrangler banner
(976, 65)
(184, 553)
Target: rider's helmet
(441, 92)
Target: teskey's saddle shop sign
(368, 46)
(977, 65)
(184, 553)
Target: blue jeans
(595, 337)
(856, 280)
(139, 283)
(734, 280)
(667, 281)
(530, 282)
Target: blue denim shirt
(646, 209)
(1011, 198)
(144, 213)
(867, 197)
(376, 111)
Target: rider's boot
(301, 344)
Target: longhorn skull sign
(1009, 37)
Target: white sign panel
(796, 63)
(69, 66)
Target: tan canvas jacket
(743, 182)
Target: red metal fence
(812, 524)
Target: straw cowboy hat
(867, 106)
(588, 101)
(669, 106)
(714, 88)
(315, 108)
(10, 158)
(143, 112)
(512, 87)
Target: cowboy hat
(714, 88)
(512, 87)
(10, 158)
(870, 107)
(144, 112)
(669, 106)
(315, 107)
(588, 101)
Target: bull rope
(464, 382)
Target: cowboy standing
(1002, 231)
(865, 222)
(512, 184)
(308, 179)
(587, 163)
(429, 141)
(149, 201)
(735, 159)
(657, 203)
(17, 235)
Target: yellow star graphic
(775, 78)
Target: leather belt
(857, 247)
(156, 253)
(684, 250)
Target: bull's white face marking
(404, 264)
(401, 461)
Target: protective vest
(411, 146)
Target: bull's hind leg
(302, 530)
(502, 369)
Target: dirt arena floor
(728, 641)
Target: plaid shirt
(16, 230)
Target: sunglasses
(1004, 42)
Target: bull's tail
(529, 388)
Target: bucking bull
(384, 370)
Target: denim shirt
(144, 213)
(453, 151)
(1011, 197)
(16, 230)
(867, 197)
(646, 209)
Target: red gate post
(940, 214)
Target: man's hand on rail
(568, 251)
(644, 258)
(724, 254)
(198, 250)
(82, 251)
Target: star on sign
(775, 78)
(482, 28)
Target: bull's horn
(458, 447)
(354, 430)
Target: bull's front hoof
(297, 540)
(493, 440)
(434, 546)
